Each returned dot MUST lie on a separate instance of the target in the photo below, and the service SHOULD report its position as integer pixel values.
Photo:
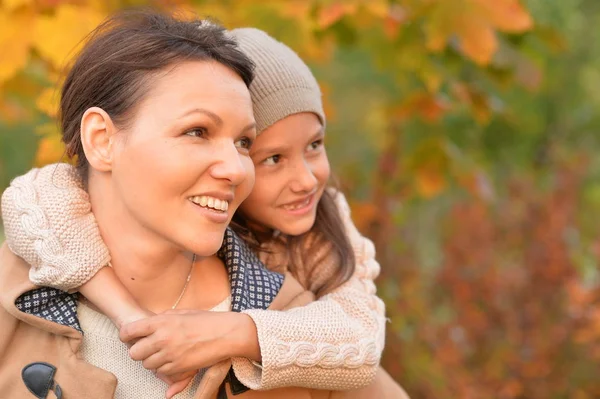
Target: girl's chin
(297, 228)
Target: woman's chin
(207, 243)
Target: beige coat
(25, 339)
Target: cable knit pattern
(62, 255)
(333, 343)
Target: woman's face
(182, 168)
(292, 171)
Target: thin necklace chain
(187, 281)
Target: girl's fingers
(137, 329)
(178, 387)
(154, 362)
(143, 349)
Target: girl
(292, 221)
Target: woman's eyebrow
(215, 118)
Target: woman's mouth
(211, 208)
(212, 203)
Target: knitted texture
(48, 222)
(333, 343)
(102, 348)
(283, 83)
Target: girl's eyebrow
(320, 133)
(278, 149)
(271, 150)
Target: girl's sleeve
(334, 343)
(48, 222)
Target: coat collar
(253, 286)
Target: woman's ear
(97, 136)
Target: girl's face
(183, 167)
(292, 171)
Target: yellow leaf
(380, 9)
(15, 42)
(11, 5)
(50, 148)
(47, 101)
(440, 24)
(59, 36)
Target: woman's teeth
(210, 202)
(297, 205)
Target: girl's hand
(177, 382)
(181, 341)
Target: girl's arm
(333, 343)
(48, 222)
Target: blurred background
(465, 133)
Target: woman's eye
(196, 132)
(315, 145)
(244, 143)
(272, 160)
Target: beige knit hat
(283, 83)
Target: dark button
(39, 379)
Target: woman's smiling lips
(213, 206)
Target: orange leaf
(330, 14)
(505, 15)
(430, 182)
(363, 214)
(477, 40)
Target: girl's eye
(315, 145)
(272, 160)
(196, 132)
(244, 143)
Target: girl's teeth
(294, 207)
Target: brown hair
(114, 69)
(327, 233)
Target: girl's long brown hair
(328, 232)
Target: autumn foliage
(465, 133)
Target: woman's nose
(229, 166)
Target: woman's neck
(152, 269)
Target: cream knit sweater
(102, 348)
(333, 343)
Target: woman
(348, 361)
(158, 113)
